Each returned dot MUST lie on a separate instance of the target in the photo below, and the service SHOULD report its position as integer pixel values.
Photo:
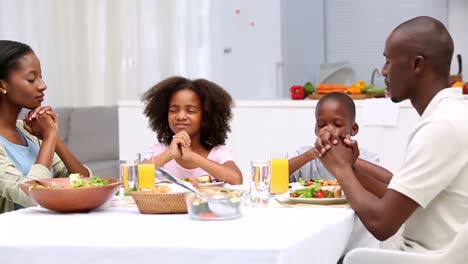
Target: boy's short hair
(342, 99)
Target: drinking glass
(260, 183)
(279, 173)
(128, 176)
(146, 171)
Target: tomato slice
(319, 195)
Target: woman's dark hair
(216, 103)
(10, 53)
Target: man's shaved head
(418, 54)
(427, 37)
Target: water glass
(279, 173)
(128, 176)
(260, 183)
(146, 171)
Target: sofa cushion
(64, 122)
(106, 168)
(94, 133)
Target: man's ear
(418, 64)
(354, 129)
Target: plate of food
(315, 191)
(205, 181)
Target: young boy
(335, 111)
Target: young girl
(33, 146)
(191, 119)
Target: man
(429, 193)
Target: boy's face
(333, 114)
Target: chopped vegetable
(317, 188)
(35, 186)
(302, 182)
(297, 92)
(309, 88)
(198, 206)
(77, 181)
(320, 194)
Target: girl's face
(24, 85)
(185, 112)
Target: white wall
(457, 25)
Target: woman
(31, 147)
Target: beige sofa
(92, 134)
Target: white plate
(341, 200)
(212, 184)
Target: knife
(459, 59)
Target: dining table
(279, 233)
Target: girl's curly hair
(216, 106)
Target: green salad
(76, 181)
(317, 188)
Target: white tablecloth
(123, 235)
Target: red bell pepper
(297, 92)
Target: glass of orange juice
(146, 171)
(279, 173)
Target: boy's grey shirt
(314, 169)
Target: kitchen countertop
(280, 103)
